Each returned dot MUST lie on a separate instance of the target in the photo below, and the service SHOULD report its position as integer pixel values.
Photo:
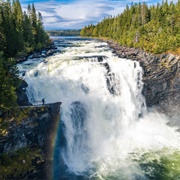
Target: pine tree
(8, 25)
(18, 21)
(8, 82)
(2, 34)
(27, 34)
(154, 29)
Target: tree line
(70, 32)
(20, 33)
(153, 28)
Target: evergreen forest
(20, 34)
(153, 28)
(70, 32)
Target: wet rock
(22, 99)
(52, 46)
(85, 89)
(51, 52)
(110, 79)
(21, 59)
(99, 58)
(35, 55)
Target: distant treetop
(151, 28)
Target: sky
(75, 14)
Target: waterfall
(107, 127)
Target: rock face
(35, 131)
(22, 99)
(161, 77)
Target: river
(106, 131)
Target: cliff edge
(26, 148)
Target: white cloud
(71, 11)
(73, 15)
(45, 14)
(80, 10)
(79, 13)
(49, 20)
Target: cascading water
(107, 131)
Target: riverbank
(43, 53)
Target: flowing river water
(106, 131)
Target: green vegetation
(64, 32)
(19, 163)
(19, 115)
(8, 83)
(20, 34)
(151, 28)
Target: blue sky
(75, 14)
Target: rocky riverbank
(161, 78)
(44, 53)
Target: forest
(154, 28)
(20, 34)
(70, 32)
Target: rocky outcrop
(161, 77)
(48, 51)
(22, 98)
(33, 131)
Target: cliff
(27, 146)
(161, 78)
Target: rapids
(106, 131)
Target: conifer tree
(8, 83)
(18, 21)
(154, 28)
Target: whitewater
(108, 132)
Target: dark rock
(35, 55)
(53, 46)
(98, 57)
(51, 52)
(21, 59)
(23, 73)
(22, 99)
(110, 79)
(48, 51)
(85, 89)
